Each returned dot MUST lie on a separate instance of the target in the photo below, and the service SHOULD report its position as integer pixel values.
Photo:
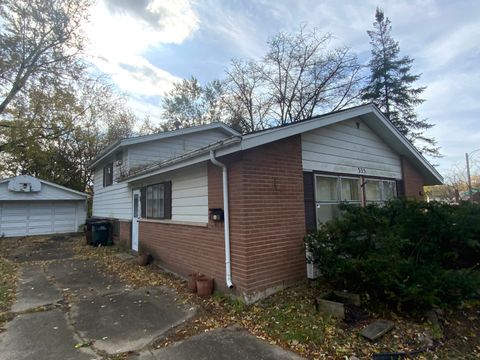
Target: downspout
(228, 267)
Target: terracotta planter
(192, 282)
(143, 259)
(204, 286)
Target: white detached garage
(31, 206)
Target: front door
(136, 215)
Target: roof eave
(141, 139)
(183, 160)
(430, 174)
(51, 184)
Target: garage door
(36, 218)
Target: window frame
(382, 190)
(108, 181)
(361, 179)
(166, 214)
(338, 178)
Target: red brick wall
(267, 223)
(413, 181)
(186, 248)
(124, 237)
(273, 218)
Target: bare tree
(245, 98)
(300, 76)
(39, 41)
(456, 184)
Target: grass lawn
(289, 319)
(8, 277)
(7, 284)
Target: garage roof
(47, 191)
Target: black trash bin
(101, 233)
(88, 229)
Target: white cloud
(121, 32)
(235, 29)
(144, 108)
(440, 36)
(453, 45)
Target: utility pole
(469, 179)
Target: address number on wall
(362, 170)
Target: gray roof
(162, 135)
(369, 112)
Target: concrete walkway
(222, 344)
(34, 289)
(103, 315)
(71, 308)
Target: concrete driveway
(72, 308)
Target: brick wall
(267, 223)
(413, 181)
(124, 237)
(273, 214)
(184, 249)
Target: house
(31, 206)
(236, 207)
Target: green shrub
(405, 254)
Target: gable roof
(48, 183)
(373, 118)
(162, 135)
(368, 113)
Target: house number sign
(362, 170)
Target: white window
(379, 191)
(330, 191)
(108, 175)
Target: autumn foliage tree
(55, 116)
(54, 132)
(40, 41)
(189, 104)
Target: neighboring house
(31, 206)
(465, 195)
(210, 200)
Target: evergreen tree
(391, 86)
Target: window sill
(174, 222)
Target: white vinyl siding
(348, 149)
(189, 192)
(189, 196)
(113, 201)
(24, 218)
(155, 151)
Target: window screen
(156, 201)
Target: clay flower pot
(204, 286)
(192, 282)
(143, 259)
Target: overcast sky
(144, 45)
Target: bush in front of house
(406, 255)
